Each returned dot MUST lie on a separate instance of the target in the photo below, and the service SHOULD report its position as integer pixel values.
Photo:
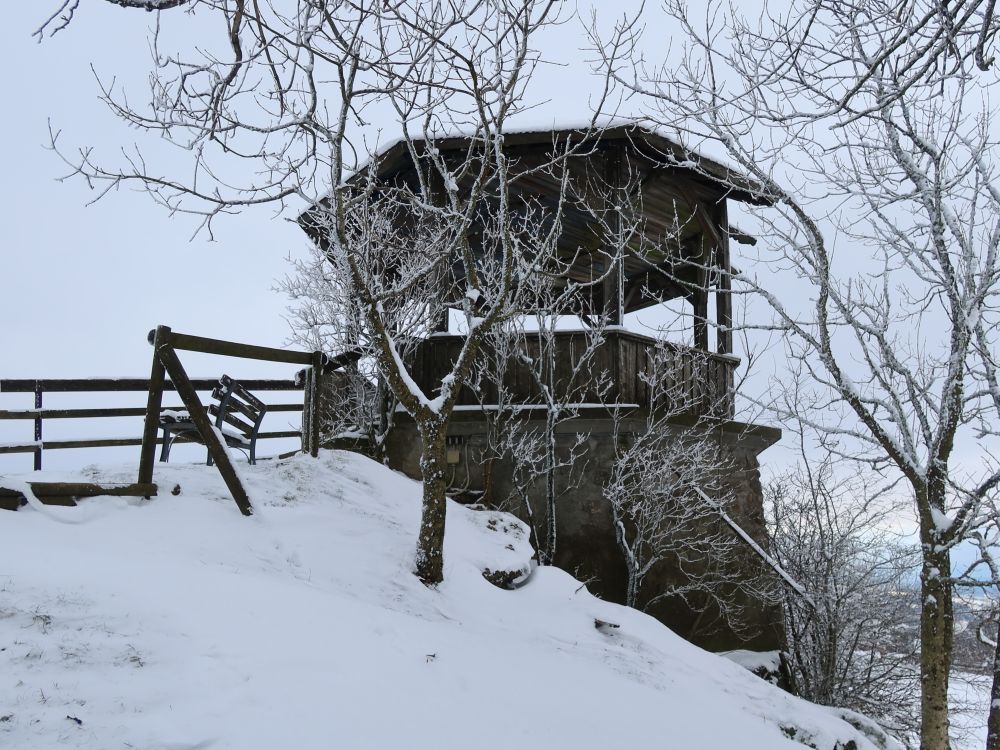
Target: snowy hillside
(177, 623)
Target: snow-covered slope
(176, 623)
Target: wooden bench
(235, 407)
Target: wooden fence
(166, 343)
(39, 414)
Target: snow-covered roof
(643, 137)
(679, 188)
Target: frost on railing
(627, 368)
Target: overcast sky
(82, 284)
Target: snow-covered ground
(177, 623)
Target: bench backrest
(237, 407)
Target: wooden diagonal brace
(208, 431)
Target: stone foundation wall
(586, 541)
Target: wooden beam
(38, 427)
(65, 493)
(723, 287)
(131, 411)
(342, 359)
(206, 429)
(189, 343)
(85, 489)
(101, 385)
(11, 503)
(52, 445)
(709, 226)
(699, 303)
(73, 413)
(154, 399)
(308, 411)
(614, 280)
(61, 444)
(316, 404)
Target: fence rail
(627, 368)
(39, 414)
(96, 385)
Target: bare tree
(657, 515)
(277, 112)
(565, 378)
(671, 505)
(849, 643)
(66, 10)
(562, 367)
(357, 402)
(903, 177)
(398, 248)
(922, 39)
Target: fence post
(315, 402)
(38, 426)
(307, 413)
(153, 401)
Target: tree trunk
(383, 403)
(936, 631)
(632, 591)
(430, 543)
(550, 485)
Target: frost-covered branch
(863, 127)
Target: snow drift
(178, 624)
